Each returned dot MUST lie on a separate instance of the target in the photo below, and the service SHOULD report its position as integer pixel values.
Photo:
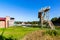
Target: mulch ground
(39, 35)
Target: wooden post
(7, 21)
(40, 18)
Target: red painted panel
(2, 19)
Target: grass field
(19, 32)
(16, 32)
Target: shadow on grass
(4, 38)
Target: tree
(58, 20)
(18, 22)
(55, 20)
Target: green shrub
(52, 32)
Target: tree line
(33, 22)
(55, 20)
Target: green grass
(20, 32)
(17, 32)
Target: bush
(52, 32)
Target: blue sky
(27, 10)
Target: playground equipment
(43, 15)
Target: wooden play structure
(6, 22)
(43, 15)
